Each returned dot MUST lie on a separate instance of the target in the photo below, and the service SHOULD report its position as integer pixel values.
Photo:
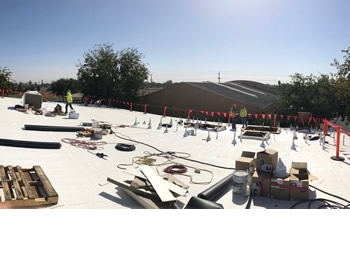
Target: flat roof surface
(80, 178)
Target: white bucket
(95, 124)
(240, 178)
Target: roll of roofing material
(215, 190)
(53, 128)
(30, 144)
(199, 203)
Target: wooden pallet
(272, 130)
(257, 135)
(25, 187)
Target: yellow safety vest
(243, 112)
(69, 97)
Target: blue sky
(182, 40)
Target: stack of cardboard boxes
(263, 183)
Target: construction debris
(25, 187)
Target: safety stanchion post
(145, 109)
(130, 106)
(337, 157)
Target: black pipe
(52, 128)
(215, 190)
(30, 144)
(199, 203)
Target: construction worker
(233, 115)
(243, 113)
(69, 100)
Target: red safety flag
(281, 117)
(7, 91)
(218, 113)
(249, 115)
(212, 114)
(202, 111)
(310, 118)
(164, 111)
(54, 96)
(224, 114)
(10, 90)
(123, 102)
(256, 116)
(288, 117)
(0, 90)
(206, 113)
(269, 116)
(128, 103)
(295, 118)
(20, 93)
(263, 115)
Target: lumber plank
(50, 191)
(141, 200)
(127, 186)
(5, 185)
(160, 181)
(162, 190)
(25, 183)
(15, 183)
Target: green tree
(5, 78)
(341, 81)
(315, 94)
(106, 73)
(61, 86)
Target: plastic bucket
(240, 179)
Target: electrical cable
(173, 153)
(87, 145)
(175, 169)
(125, 147)
(333, 195)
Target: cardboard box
(280, 188)
(299, 181)
(246, 162)
(260, 184)
(267, 160)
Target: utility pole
(151, 78)
(219, 77)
